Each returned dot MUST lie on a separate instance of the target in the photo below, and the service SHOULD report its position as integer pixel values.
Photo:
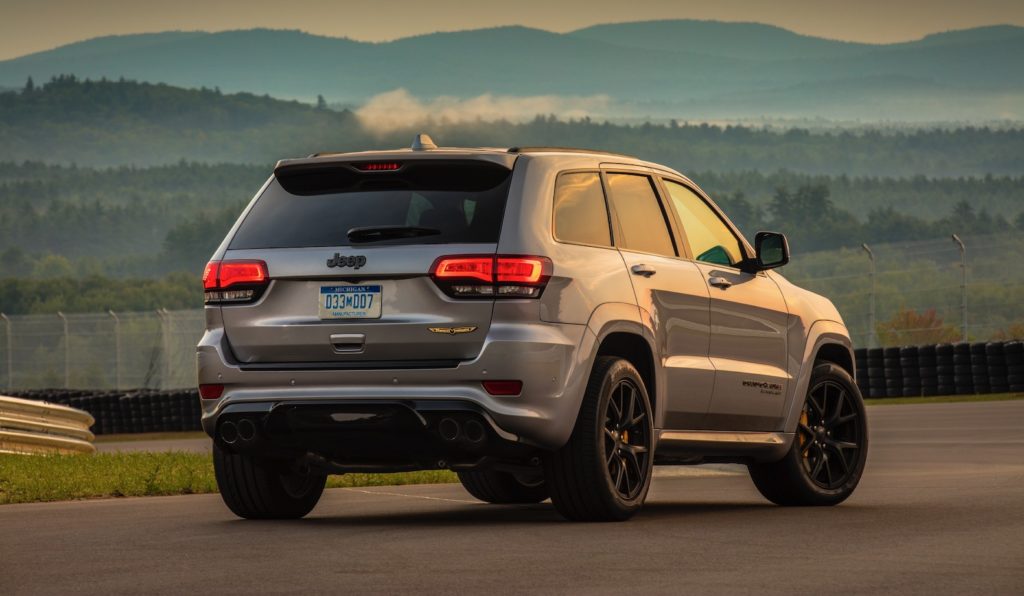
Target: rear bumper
(552, 361)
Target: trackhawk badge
(452, 330)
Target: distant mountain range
(683, 69)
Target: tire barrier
(119, 412)
(35, 427)
(944, 369)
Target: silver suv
(546, 322)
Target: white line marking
(390, 494)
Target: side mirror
(772, 250)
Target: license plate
(350, 302)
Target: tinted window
(709, 239)
(580, 212)
(639, 214)
(463, 201)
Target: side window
(581, 215)
(710, 240)
(640, 216)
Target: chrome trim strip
(714, 436)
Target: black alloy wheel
(829, 433)
(627, 443)
(603, 472)
(825, 460)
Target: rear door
(748, 321)
(670, 292)
(349, 248)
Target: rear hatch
(349, 248)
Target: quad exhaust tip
(449, 429)
(229, 432)
(246, 430)
(474, 431)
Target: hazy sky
(31, 25)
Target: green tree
(52, 266)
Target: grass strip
(168, 436)
(31, 479)
(942, 399)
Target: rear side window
(581, 215)
(639, 213)
(446, 201)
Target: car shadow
(478, 515)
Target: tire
(578, 475)
(259, 489)
(495, 486)
(796, 479)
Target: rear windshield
(458, 201)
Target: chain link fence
(126, 350)
(922, 292)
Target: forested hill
(109, 123)
(703, 68)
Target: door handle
(720, 282)
(644, 270)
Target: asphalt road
(940, 510)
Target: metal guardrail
(33, 427)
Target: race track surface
(940, 510)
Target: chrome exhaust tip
(229, 432)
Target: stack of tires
(945, 369)
(910, 366)
(893, 371)
(963, 379)
(1013, 351)
(876, 373)
(996, 357)
(979, 368)
(927, 370)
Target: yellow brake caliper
(803, 439)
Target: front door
(749, 322)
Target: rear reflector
(211, 391)
(492, 276)
(249, 278)
(503, 387)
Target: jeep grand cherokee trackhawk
(546, 322)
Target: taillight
(492, 276)
(233, 282)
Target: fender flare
(820, 333)
(621, 317)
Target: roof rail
(565, 150)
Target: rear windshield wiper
(377, 233)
